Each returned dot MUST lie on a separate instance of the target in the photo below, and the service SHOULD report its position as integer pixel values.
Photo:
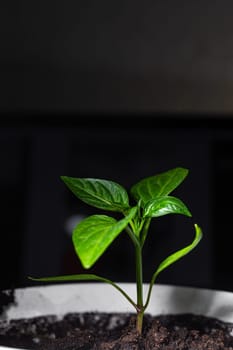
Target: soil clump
(102, 331)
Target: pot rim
(63, 298)
(164, 297)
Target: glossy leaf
(182, 252)
(158, 185)
(102, 194)
(175, 257)
(92, 236)
(80, 277)
(165, 205)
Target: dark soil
(92, 331)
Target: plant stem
(145, 230)
(139, 280)
(139, 325)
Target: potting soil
(92, 331)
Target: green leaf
(175, 257)
(92, 236)
(158, 185)
(83, 277)
(182, 252)
(80, 277)
(102, 194)
(165, 205)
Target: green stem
(138, 261)
(132, 236)
(145, 230)
(139, 278)
(139, 325)
(139, 281)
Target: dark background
(116, 91)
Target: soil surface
(92, 331)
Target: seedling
(93, 235)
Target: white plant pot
(88, 297)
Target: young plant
(93, 235)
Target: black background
(117, 91)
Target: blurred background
(119, 91)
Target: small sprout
(93, 235)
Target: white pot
(86, 297)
